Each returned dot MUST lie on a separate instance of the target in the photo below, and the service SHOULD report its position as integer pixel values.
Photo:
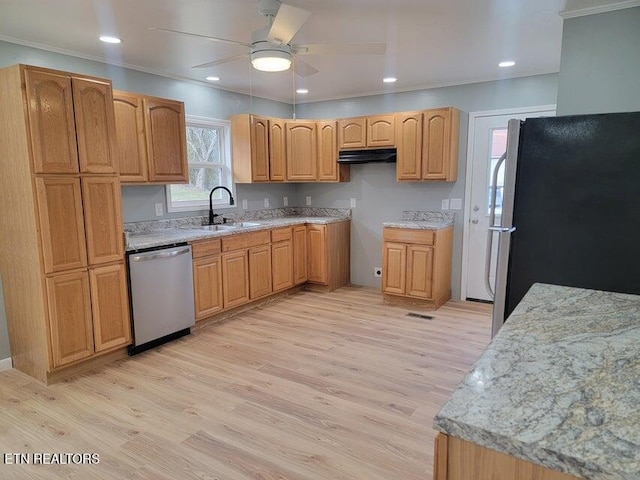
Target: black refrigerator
(571, 207)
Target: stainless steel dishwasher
(161, 283)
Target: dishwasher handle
(158, 256)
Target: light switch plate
(353, 203)
(308, 200)
(266, 202)
(245, 204)
(285, 201)
(456, 204)
(445, 204)
(158, 209)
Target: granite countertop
(169, 236)
(424, 220)
(559, 385)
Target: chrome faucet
(231, 202)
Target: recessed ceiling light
(108, 39)
(389, 79)
(508, 63)
(213, 79)
(302, 90)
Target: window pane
(201, 181)
(203, 145)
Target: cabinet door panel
(207, 284)
(327, 152)
(277, 148)
(394, 274)
(110, 302)
(61, 223)
(51, 121)
(436, 144)
(131, 149)
(352, 133)
(301, 151)
(419, 271)
(317, 251)
(299, 254)
(409, 144)
(102, 219)
(282, 265)
(260, 271)
(70, 323)
(95, 125)
(166, 140)
(235, 278)
(381, 131)
(259, 149)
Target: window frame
(225, 166)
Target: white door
(487, 146)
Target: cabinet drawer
(409, 235)
(281, 234)
(245, 240)
(205, 248)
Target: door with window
(488, 143)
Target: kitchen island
(558, 387)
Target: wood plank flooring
(313, 386)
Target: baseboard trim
(6, 364)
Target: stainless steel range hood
(381, 155)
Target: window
(209, 157)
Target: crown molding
(583, 12)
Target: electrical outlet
(456, 204)
(158, 209)
(445, 204)
(377, 272)
(266, 202)
(285, 201)
(308, 200)
(245, 204)
(353, 203)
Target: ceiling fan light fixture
(271, 60)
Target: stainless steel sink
(226, 226)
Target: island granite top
(559, 385)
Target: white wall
(600, 63)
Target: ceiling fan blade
(287, 23)
(302, 68)
(196, 35)
(220, 62)
(340, 49)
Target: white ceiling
(429, 42)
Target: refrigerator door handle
(502, 229)
(492, 226)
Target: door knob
(474, 221)
(476, 208)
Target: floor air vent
(419, 315)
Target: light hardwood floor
(313, 386)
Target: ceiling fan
(270, 49)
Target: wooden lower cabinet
(207, 285)
(317, 252)
(282, 265)
(329, 254)
(235, 278)
(416, 264)
(70, 325)
(300, 254)
(109, 299)
(260, 271)
(456, 459)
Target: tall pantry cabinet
(61, 248)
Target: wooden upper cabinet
(61, 223)
(259, 149)
(51, 121)
(440, 144)
(299, 254)
(110, 304)
(70, 325)
(381, 131)
(95, 125)
(409, 145)
(301, 151)
(165, 128)
(103, 219)
(131, 147)
(317, 254)
(277, 150)
(352, 132)
(327, 151)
